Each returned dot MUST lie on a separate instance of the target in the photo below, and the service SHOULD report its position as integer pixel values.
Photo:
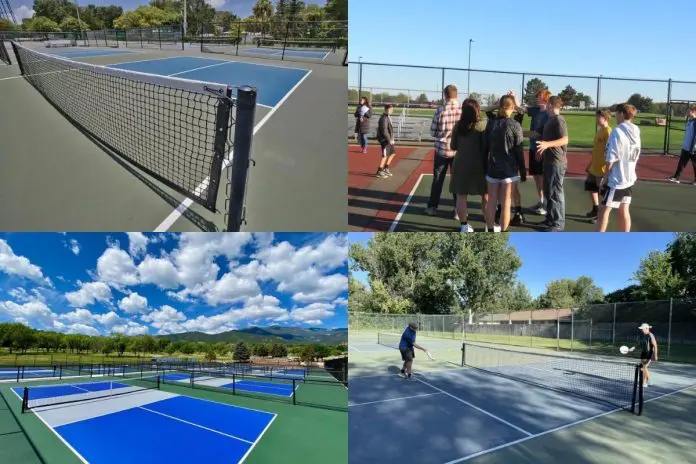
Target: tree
(569, 96)
(422, 99)
(476, 96)
(70, 24)
(120, 343)
(640, 102)
(337, 9)
(569, 293)
(682, 257)
(163, 344)
(533, 86)
(241, 352)
(307, 353)
(22, 337)
(210, 355)
(656, 278)
(42, 24)
(6, 25)
(49, 9)
(321, 351)
(262, 10)
(260, 349)
(278, 351)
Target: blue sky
(137, 283)
(242, 8)
(640, 39)
(609, 259)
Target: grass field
(581, 128)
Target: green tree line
(61, 15)
(475, 274)
(18, 338)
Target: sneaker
(381, 174)
(645, 385)
(591, 214)
(455, 215)
(466, 228)
(553, 229)
(431, 211)
(517, 219)
(694, 182)
(673, 180)
(496, 228)
(388, 172)
(538, 209)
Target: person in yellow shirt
(595, 170)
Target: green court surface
(313, 431)
(655, 206)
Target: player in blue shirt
(406, 346)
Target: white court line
(257, 439)
(186, 203)
(60, 437)
(509, 424)
(405, 205)
(195, 425)
(572, 424)
(353, 347)
(394, 399)
(247, 62)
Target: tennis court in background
(398, 203)
(175, 107)
(511, 405)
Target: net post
(238, 174)
(463, 354)
(635, 388)
(613, 328)
(234, 383)
(25, 400)
(181, 29)
(669, 329)
(294, 399)
(158, 382)
(193, 384)
(285, 42)
(18, 370)
(159, 37)
(60, 373)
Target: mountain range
(272, 334)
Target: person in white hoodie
(621, 157)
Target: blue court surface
(317, 55)
(156, 426)
(272, 82)
(73, 53)
(11, 373)
(267, 388)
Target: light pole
(79, 23)
(468, 78)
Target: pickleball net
(177, 130)
(609, 382)
(4, 55)
(59, 394)
(389, 340)
(328, 46)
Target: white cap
(645, 326)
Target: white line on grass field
(186, 204)
(562, 427)
(405, 205)
(489, 414)
(394, 399)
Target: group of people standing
(486, 159)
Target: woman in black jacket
(363, 113)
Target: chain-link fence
(661, 122)
(599, 329)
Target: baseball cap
(645, 326)
(413, 325)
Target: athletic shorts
(507, 180)
(613, 198)
(592, 183)
(387, 150)
(536, 167)
(407, 354)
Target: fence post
(669, 332)
(572, 328)
(522, 94)
(360, 68)
(442, 86)
(613, 328)
(558, 330)
(665, 147)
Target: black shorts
(407, 354)
(645, 362)
(535, 166)
(387, 149)
(613, 198)
(592, 183)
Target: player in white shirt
(622, 153)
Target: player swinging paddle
(406, 346)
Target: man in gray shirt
(553, 147)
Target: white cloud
(231, 288)
(19, 294)
(133, 303)
(137, 243)
(24, 12)
(130, 328)
(89, 293)
(309, 286)
(81, 329)
(109, 319)
(81, 315)
(166, 320)
(258, 309)
(12, 264)
(116, 268)
(158, 271)
(196, 253)
(313, 314)
(74, 246)
(34, 313)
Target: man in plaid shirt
(446, 117)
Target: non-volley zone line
(153, 424)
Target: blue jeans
(440, 167)
(553, 193)
(363, 140)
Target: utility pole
(468, 79)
